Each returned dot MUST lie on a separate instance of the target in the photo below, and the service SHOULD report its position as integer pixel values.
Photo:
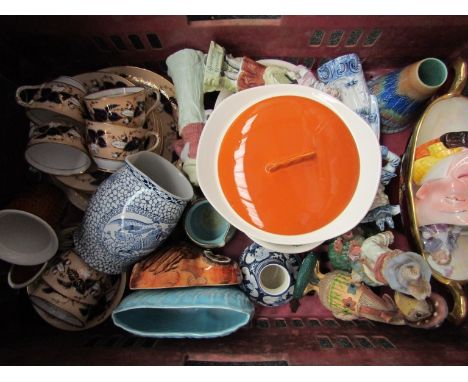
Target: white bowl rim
(14, 257)
(33, 278)
(288, 249)
(364, 138)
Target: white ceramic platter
(366, 142)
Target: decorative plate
(113, 299)
(87, 182)
(96, 81)
(151, 80)
(147, 79)
(445, 114)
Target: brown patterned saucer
(113, 299)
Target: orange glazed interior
(288, 165)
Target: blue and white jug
(132, 213)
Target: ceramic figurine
(268, 277)
(186, 69)
(405, 272)
(433, 151)
(442, 197)
(440, 240)
(348, 300)
(423, 314)
(440, 243)
(184, 266)
(382, 215)
(184, 313)
(344, 249)
(345, 73)
(381, 212)
(392, 163)
(132, 213)
(235, 74)
(345, 298)
(402, 93)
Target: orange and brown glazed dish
(288, 165)
(184, 266)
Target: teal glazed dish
(175, 313)
(206, 227)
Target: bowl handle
(461, 75)
(19, 92)
(459, 310)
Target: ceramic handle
(461, 75)
(158, 139)
(20, 90)
(157, 103)
(459, 310)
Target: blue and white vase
(345, 73)
(268, 277)
(132, 213)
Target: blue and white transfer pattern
(253, 260)
(128, 217)
(345, 73)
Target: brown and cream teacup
(57, 149)
(110, 144)
(122, 106)
(59, 100)
(70, 276)
(63, 308)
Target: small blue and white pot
(268, 277)
(132, 213)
